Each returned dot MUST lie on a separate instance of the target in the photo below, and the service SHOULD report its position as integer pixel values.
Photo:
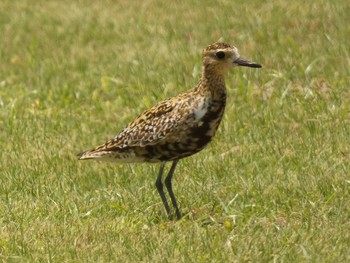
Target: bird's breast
(208, 122)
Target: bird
(177, 127)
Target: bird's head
(220, 57)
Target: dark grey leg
(170, 189)
(159, 186)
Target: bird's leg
(159, 186)
(170, 189)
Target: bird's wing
(150, 127)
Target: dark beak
(246, 63)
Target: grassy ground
(273, 186)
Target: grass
(274, 185)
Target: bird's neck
(213, 84)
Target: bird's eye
(220, 54)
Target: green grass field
(273, 186)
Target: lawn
(273, 186)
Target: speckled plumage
(177, 127)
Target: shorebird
(177, 127)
